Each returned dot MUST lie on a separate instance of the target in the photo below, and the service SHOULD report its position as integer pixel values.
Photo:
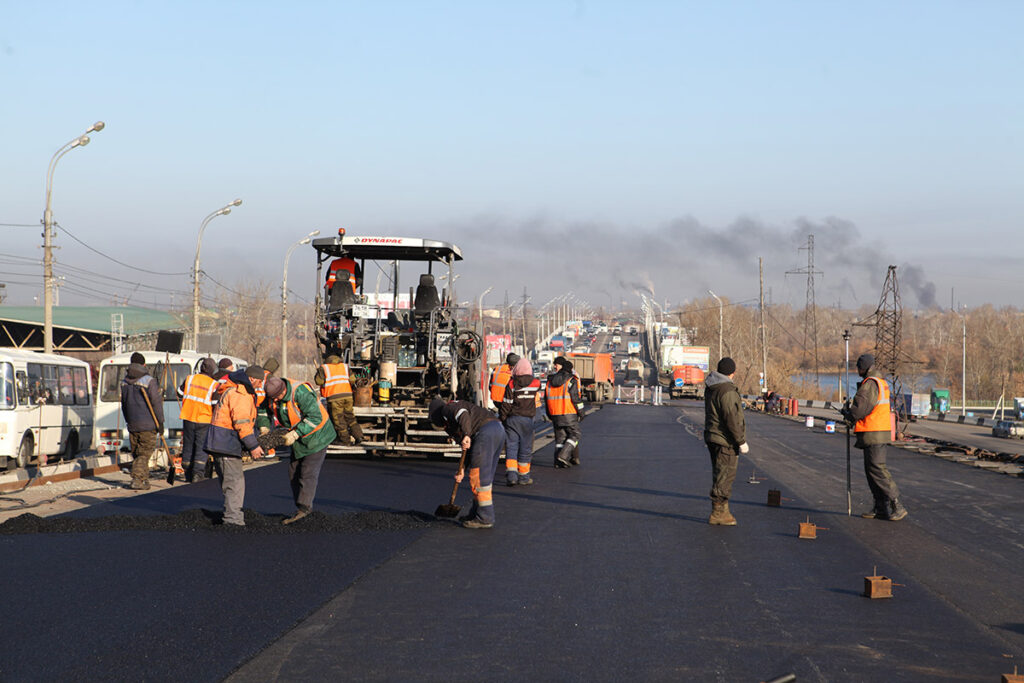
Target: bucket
(362, 396)
(830, 426)
(809, 421)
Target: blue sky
(661, 145)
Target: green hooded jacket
(308, 403)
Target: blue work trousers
(484, 452)
(518, 444)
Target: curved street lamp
(284, 301)
(222, 211)
(48, 284)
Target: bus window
(37, 381)
(111, 377)
(81, 387)
(176, 374)
(66, 385)
(24, 390)
(7, 395)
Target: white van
(45, 406)
(110, 434)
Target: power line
(111, 258)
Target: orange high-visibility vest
(197, 403)
(336, 381)
(342, 264)
(878, 420)
(499, 380)
(295, 415)
(558, 400)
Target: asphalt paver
(605, 571)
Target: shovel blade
(447, 510)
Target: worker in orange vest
(872, 423)
(336, 387)
(340, 264)
(197, 399)
(231, 433)
(565, 410)
(500, 377)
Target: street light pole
(284, 301)
(48, 284)
(482, 397)
(963, 367)
(720, 319)
(223, 211)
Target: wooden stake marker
(809, 529)
(876, 586)
(1012, 678)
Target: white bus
(45, 406)
(110, 432)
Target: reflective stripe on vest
(295, 416)
(878, 420)
(197, 401)
(558, 400)
(335, 380)
(500, 378)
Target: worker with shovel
(142, 402)
(482, 437)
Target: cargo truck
(688, 370)
(597, 375)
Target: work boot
(476, 523)
(525, 480)
(896, 510)
(511, 478)
(562, 457)
(140, 484)
(879, 511)
(299, 514)
(720, 514)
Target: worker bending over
(479, 432)
(229, 436)
(297, 407)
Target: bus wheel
(25, 451)
(72, 447)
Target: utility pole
(810, 316)
(764, 344)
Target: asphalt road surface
(607, 571)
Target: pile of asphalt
(210, 520)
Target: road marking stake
(1012, 678)
(809, 529)
(876, 586)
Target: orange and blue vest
(878, 420)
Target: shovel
(451, 509)
(170, 462)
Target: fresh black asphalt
(607, 571)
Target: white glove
(291, 437)
(744, 448)
(264, 430)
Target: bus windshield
(6, 386)
(111, 377)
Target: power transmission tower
(888, 323)
(810, 315)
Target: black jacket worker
(725, 433)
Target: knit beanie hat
(511, 359)
(225, 364)
(137, 358)
(208, 367)
(727, 366)
(865, 362)
(274, 386)
(522, 367)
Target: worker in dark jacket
(517, 411)
(230, 436)
(143, 431)
(479, 432)
(871, 419)
(725, 433)
(297, 406)
(565, 410)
